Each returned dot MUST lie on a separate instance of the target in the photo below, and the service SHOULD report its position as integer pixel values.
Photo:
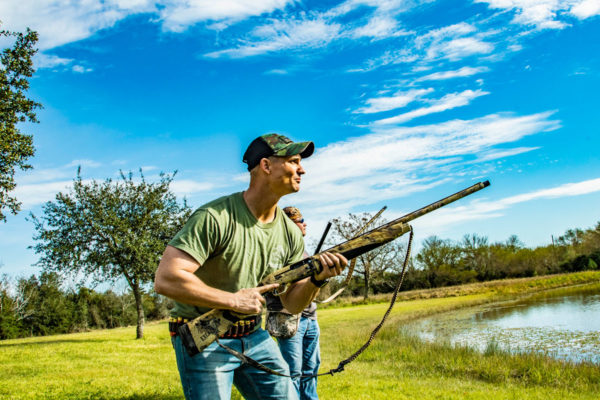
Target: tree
(15, 107)
(441, 261)
(373, 264)
(110, 230)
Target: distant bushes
(442, 262)
(38, 306)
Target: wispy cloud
(546, 14)
(43, 60)
(386, 103)
(502, 153)
(460, 73)
(60, 22)
(34, 194)
(392, 162)
(447, 102)
(481, 210)
(378, 27)
(304, 32)
(188, 187)
(178, 16)
(454, 42)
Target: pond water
(563, 323)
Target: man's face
(286, 174)
(302, 225)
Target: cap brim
(305, 149)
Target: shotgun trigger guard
(281, 289)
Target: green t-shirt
(235, 251)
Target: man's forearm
(189, 289)
(299, 296)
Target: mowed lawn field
(112, 364)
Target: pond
(562, 323)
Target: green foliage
(15, 107)
(110, 230)
(40, 306)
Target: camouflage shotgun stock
(197, 334)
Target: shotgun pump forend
(197, 334)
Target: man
(301, 351)
(218, 258)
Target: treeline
(443, 262)
(38, 306)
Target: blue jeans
(210, 374)
(302, 354)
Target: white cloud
(277, 72)
(35, 194)
(496, 154)
(460, 73)
(392, 162)
(586, 9)
(60, 22)
(178, 16)
(478, 210)
(382, 7)
(81, 69)
(447, 102)
(401, 56)
(378, 27)
(398, 100)
(283, 35)
(43, 60)
(453, 42)
(187, 187)
(40, 185)
(546, 14)
(84, 163)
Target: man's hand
(333, 264)
(251, 301)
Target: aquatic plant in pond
(564, 324)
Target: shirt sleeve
(199, 237)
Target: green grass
(111, 364)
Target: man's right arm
(175, 279)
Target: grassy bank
(111, 364)
(398, 366)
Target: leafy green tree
(440, 259)
(15, 147)
(110, 230)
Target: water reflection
(562, 323)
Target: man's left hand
(333, 264)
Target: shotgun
(197, 334)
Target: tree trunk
(367, 280)
(137, 293)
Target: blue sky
(406, 101)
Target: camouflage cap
(293, 213)
(273, 144)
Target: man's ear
(265, 165)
